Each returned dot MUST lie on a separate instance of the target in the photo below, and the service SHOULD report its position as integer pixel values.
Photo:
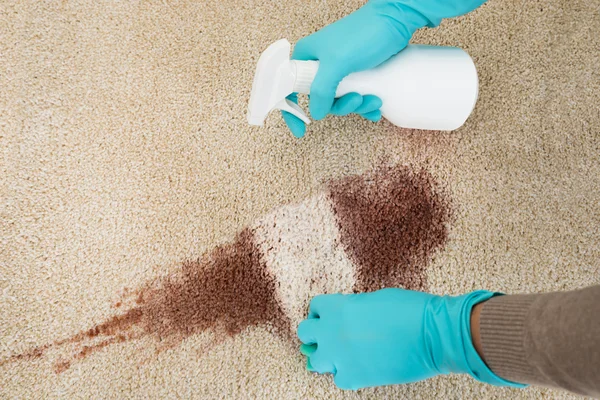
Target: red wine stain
(36, 352)
(391, 222)
(225, 292)
(62, 366)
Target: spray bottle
(421, 87)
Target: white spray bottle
(422, 87)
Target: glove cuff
(468, 360)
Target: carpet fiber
(152, 244)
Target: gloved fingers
(369, 103)
(374, 116)
(316, 361)
(303, 50)
(309, 366)
(323, 88)
(296, 125)
(308, 349)
(308, 331)
(293, 97)
(343, 382)
(347, 104)
(325, 304)
(318, 305)
(321, 363)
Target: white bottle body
(422, 87)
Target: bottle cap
(274, 80)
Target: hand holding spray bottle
(362, 62)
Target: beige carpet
(125, 156)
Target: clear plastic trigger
(292, 108)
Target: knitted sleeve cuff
(503, 333)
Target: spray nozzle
(276, 78)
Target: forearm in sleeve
(550, 339)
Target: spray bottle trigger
(292, 108)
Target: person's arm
(394, 336)
(550, 339)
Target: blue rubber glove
(361, 41)
(366, 106)
(392, 336)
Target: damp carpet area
(154, 245)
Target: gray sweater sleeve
(550, 339)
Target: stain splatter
(62, 366)
(228, 292)
(225, 292)
(391, 222)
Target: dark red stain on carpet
(224, 292)
(391, 223)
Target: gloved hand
(361, 41)
(392, 336)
